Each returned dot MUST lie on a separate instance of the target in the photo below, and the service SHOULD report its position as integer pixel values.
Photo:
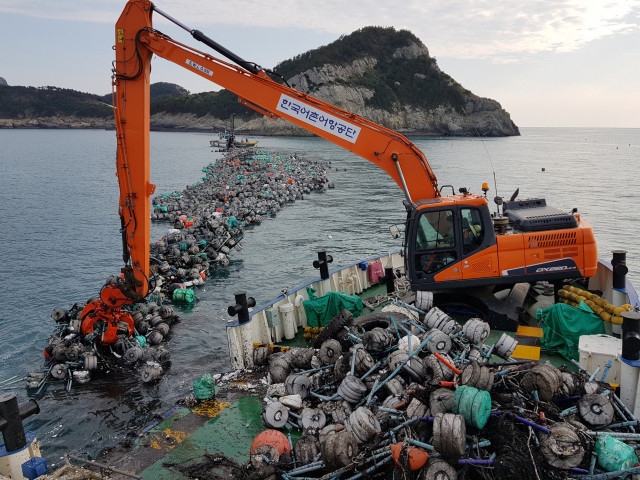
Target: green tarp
(562, 326)
(321, 310)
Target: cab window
(435, 230)
(435, 241)
(473, 229)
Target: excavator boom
(137, 41)
(451, 242)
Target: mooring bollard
(323, 264)
(11, 416)
(241, 308)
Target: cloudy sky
(548, 62)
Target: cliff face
(342, 85)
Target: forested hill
(54, 107)
(382, 74)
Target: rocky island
(381, 74)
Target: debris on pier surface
(208, 220)
(429, 398)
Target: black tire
(368, 322)
(334, 328)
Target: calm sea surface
(60, 240)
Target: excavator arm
(442, 251)
(137, 41)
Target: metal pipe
(394, 157)
(417, 443)
(447, 363)
(395, 372)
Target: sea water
(60, 240)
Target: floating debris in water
(208, 220)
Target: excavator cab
(440, 238)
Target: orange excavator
(451, 242)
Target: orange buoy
(273, 438)
(414, 457)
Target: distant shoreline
(99, 124)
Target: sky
(550, 63)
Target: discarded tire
(335, 326)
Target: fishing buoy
(297, 385)
(413, 366)
(133, 354)
(596, 410)
(183, 295)
(261, 355)
(312, 418)
(338, 449)
(403, 343)
(473, 404)
(81, 376)
(562, 447)
(59, 371)
(377, 340)
(416, 409)
(150, 372)
(439, 341)
(409, 456)
(363, 361)
(363, 424)
(274, 415)
(272, 438)
(441, 401)
(505, 346)
(543, 378)
(301, 357)
(352, 389)
(306, 449)
(436, 371)
(449, 434)
(476, 330)
(435, 318)
(329, 351)
(438, 469)
(424, 300)
(278, 367)
(478, 376)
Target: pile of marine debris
(209, 217)
(396, 395)
(208, 220)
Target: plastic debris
(413, 412)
